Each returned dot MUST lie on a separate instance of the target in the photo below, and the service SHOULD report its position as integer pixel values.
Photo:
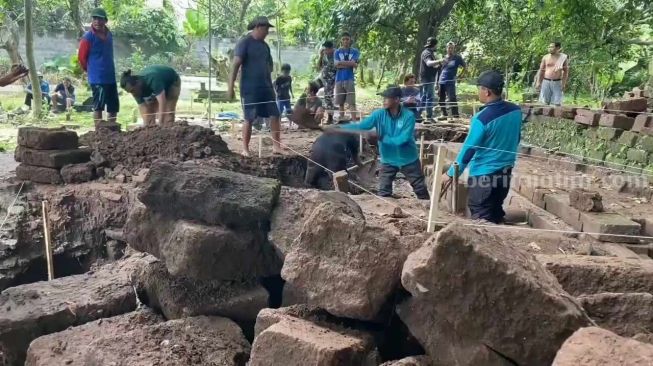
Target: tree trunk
(31, 63)
(243, 12)
(73, 6)
(9, 39)
(378, 85)
(428, 26)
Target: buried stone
(596, 346)
(475, 270)
(585, 200)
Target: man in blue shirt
(490, 150)
(346, 61)
(395, 127)
(45, 92)
(450, 64)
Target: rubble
(626, 314)
(473, 269)
(586, 201)
(29, 311)
(409, 361)
(595, 346)
(142, 338)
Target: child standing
(283, 87)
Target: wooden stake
(454, 189)
(438, 163)
(360, 144)
(260, 146)
(421, 149)
(48, 246)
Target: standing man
(252, 57)
(553, 75)
(326, 64)
(96, 58)
(428, 70)
(346, 61)
(395, 127)
(450, 65)
(490, 150)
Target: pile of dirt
(139, 148)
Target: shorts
(105, 95)
(346, 93)
(551, 92)
(259, 105)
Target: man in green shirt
(156, 90)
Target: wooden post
(260, 146)
(438, 163)
(454, 190)
(360, 144)
(421, 149)
(48, 246)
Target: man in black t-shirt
(63, 96)
(428, 70)
(252, 57)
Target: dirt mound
(139, 148)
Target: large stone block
(475, 270)
(595, 346)
(586, 201)
(609, 133)
(584, 274)
(211, 195)
(626, 314)
(38, 174)
(587, 117)
(78, 173)
(630, 105)
(47, 138)
(638, 156)
(344, 266)
(30, 311)
(617, 121)
(142, 338)
(295, 206)
(628, 138)
(646, 143)
(51, 158)
(199, 251)
(300, 342)
(559, 204)
(642, 121)
(613, 227)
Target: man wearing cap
(428, 70)
(96, 58)
(328, 69)
(45, 91)
(252, 57)
(490, 150)
(395, 127)
(450, 65)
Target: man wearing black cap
(490, 150)
(428, 70)
(326, 64)
(395, 127)
(256, 89)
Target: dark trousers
(29, 97)
(412, 172)
(427, 96)
(486, 194)
(447, 92)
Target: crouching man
(395, 128)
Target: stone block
(38, 174)
(341, 181)
(587, 117)
(539, 195)
(47, 138)
(547, 111)
(586, 201)
(609, 133)
(51, 158)
(108, 126)
(642, 121)
(300, 342)
(596, 156)
(630, 105)
(78, 173)
(638, 156)
(646, 143)
(626, 314)
(559, 204)
(461, 201)
(565, 112)
(628, 138)
(585, 274)
(616, 121)
(607, 226)
(597, 346)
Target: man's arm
(235, 66)
(540, 76)
(473, 140)
(366, 124)
(83, 52)
(161, 98)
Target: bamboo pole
(454, 189)
(438, 163)
(421, 149)
(260, 146)
(48, 245)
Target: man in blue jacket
(395, 127)
(490, 150)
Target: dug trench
(233, 250)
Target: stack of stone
(52, 156)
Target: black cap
(260, 21)
(327, 44)
(392, 91)
(491, 80)
(431, 42)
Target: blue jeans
(284, 105)
(427, 92)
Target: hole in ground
(64, 265)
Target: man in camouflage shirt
(328, 76)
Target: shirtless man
(554, 72)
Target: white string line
(499, 227)
(12, 205)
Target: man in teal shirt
(395, 127)
(490, 150)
